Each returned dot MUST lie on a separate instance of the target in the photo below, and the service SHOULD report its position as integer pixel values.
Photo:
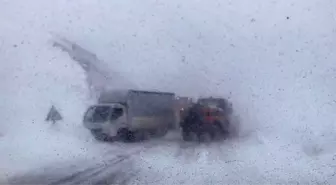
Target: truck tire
(188, 135)
(205, 132)
(185, 132)
(141, 135)
(99, 135)
(225, 130)
(125, 135)
(222, 131)
(160, 132)
(204, 137)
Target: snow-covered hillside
(275, 60)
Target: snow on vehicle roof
(120, 95)
(113, 96)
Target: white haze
(275, 60)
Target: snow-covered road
(235, 162)
(246, 160)
(116, 166)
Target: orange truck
(207, 119)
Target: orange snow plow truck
(207, 119)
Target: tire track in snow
(107, 172)
(118, 168)
(89, 173)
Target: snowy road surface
(274, 59)
(170, 161)
(116, 167)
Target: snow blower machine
(207, 119)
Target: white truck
(131, 115)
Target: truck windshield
(98, 113)
(116, 113)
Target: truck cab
(104, 120)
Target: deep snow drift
(275, 61)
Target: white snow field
(274, 59)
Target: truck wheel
(217, 135)
(99, 135)
(186, 136)
(221, 131)
(124, 135)
(213, 134)
(225, 130)
(189, 136)
(141, 135)
(161, 132)
(204, 137)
